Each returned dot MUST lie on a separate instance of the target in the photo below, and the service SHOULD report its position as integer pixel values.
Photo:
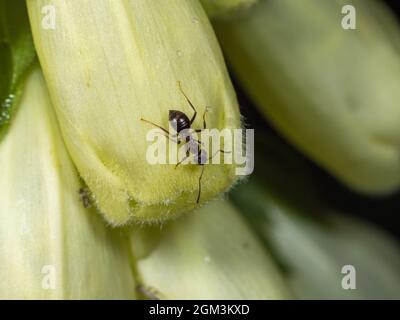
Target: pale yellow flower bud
(109, 64)
(210, 254)
(334, 92)
(51, 247)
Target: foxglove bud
(210, 254)
(51, 246)
(334, 92)
(110, 64)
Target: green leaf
(17, 54)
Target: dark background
(383, 211)
(395, 5)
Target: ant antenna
(188, 100)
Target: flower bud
(333, 92)
(110, 64)
(210, 254)
(51, 247)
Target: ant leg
(169, 136)
(216, 152)
(199, 142)
(156, 125)
(186, 156)
(190, 102)
(175, 136)
(204, 121)
(201, 176)
(177, 141)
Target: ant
(181, 123)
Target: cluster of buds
(81, 203)
(78, 146)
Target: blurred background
(325, 106)
(381, 211)
(311, 222)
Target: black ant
(181, 123)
